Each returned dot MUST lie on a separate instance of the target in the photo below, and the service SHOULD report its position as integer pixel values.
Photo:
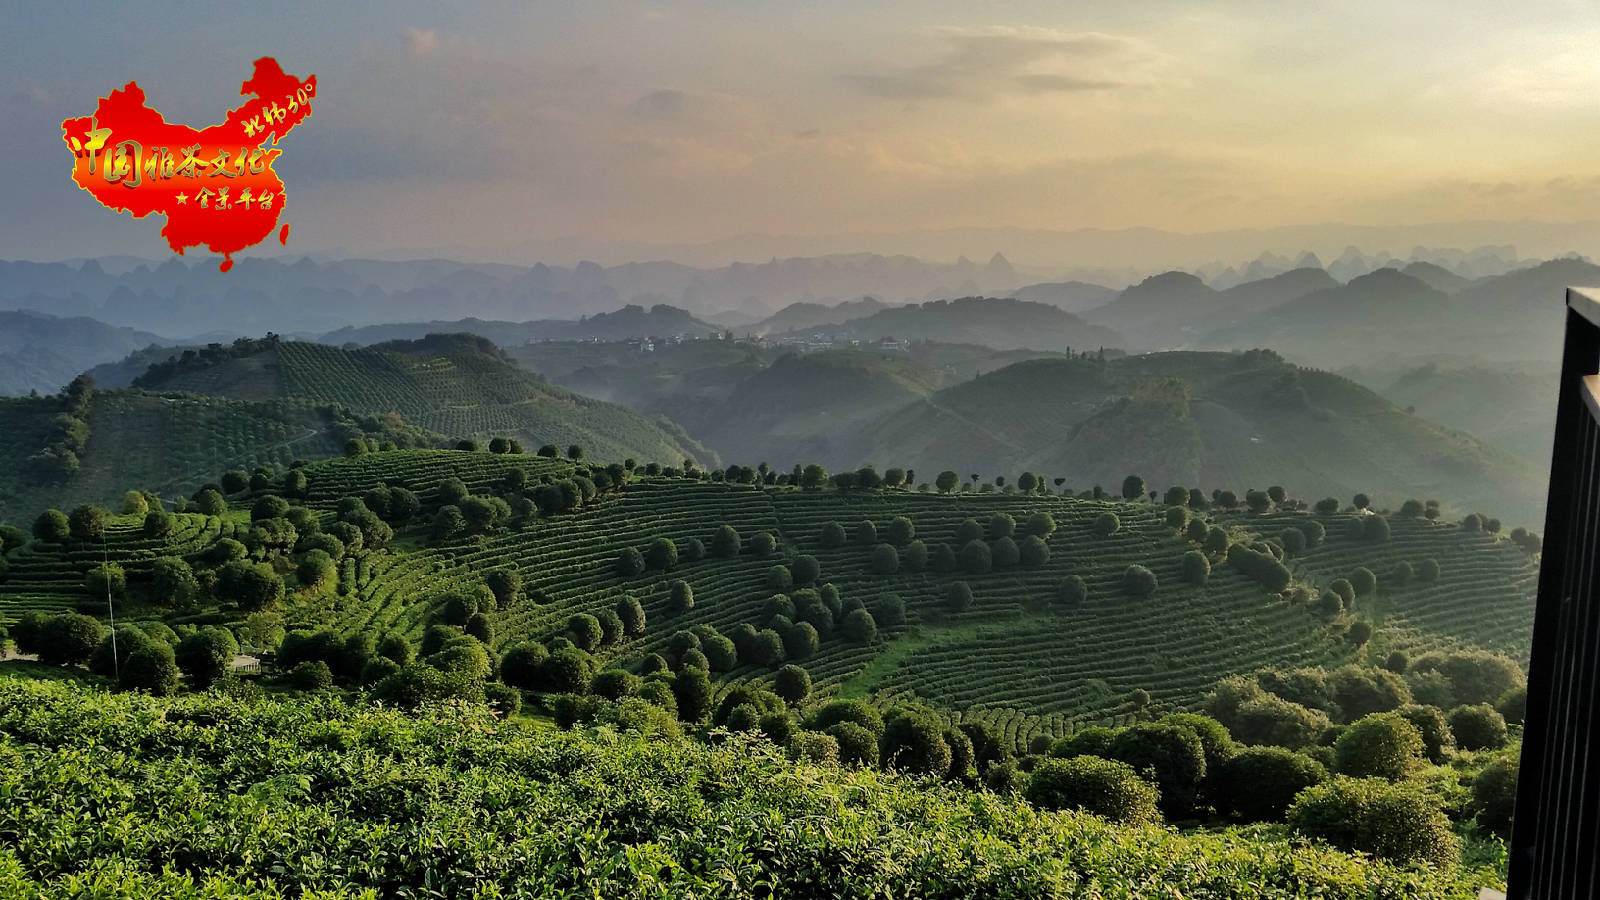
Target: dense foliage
(212, 797)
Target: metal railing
(1555, 837)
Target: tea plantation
(1037, 635)
(210, 797)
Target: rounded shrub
(1094, 740)
(976, 558)
(1381, 745)
(857, 745)
(311, 675)
(815, 748)
(792, 683)
(1494, 796)
(885, 560)
(859, 627)
(1399, 823)
(680, 598)
(1258, 784)
(1071, 591)
(1195, 567)
(1171, 756)
(1107, 524)
(832, 535)
(1478, 727)
(1138, 581)
(1428, 571)
(630, 562)
(1104, 787)
(958, 596)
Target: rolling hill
(628, 322)
(1159, 311)
(999, 323)
(803, 315)
(1211, 419)
(458, 385)
(802, 406)
(1176, 309)
(1384, 314)
(1395, 320)
(167, 443)
(1073, 296)
(1512, 408)
(1021, 656)
(40, 352)
(675, 380)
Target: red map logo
(215, 185)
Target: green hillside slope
(678, 381)
(163, 443)
(1513, 408)
(804, 405)
(1004, 324)
(1236, 421)
(1021, 656)
(458, 385)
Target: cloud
(1562, 81)
(982, 64)
(421, 42)
(660, 104)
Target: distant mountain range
(998, 323)
(192, 301)
(40, 352)
(623, 324)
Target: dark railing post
(1555, 838)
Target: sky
(616, 130)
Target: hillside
(1158, 312)
(1384, 314)
(277, 798)
(1392, 319)
(677, 381)
(1000, 323)
(1176, 309)
(1512, 408)
(459, 385)
(169, 444)
(804, 405)
(1435, 276)
(1019, 656)
(803, 315)
(40, 352)
(1072, 296)
(1239, 420)
(628, 322)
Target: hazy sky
(495, 128)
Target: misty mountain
(1435, 276)
(1266, 293)
(42, 353)
(997, 323)
(1072, 296)
(1159, 311)
(800, 316)
(1213, 420)
(628, 322)
(1511, 408)
(180, 298)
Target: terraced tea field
(1017, 657)
(457, 385)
